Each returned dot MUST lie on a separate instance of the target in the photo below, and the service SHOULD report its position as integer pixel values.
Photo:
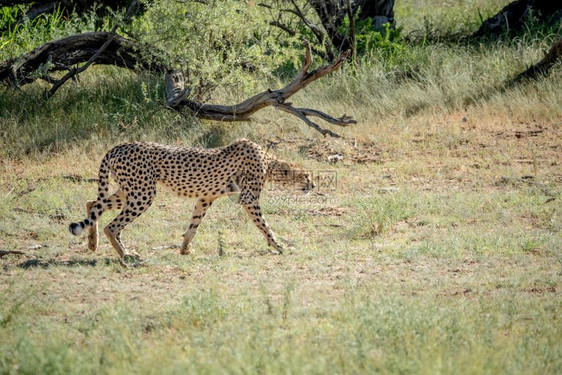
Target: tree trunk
(380, 11)
(332, 14)
(513, 17)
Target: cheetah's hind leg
(130, 212)
(115, 240)
(114, 202)
(93, 231)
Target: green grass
(439, 251)
(466, 321)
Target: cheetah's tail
(76, 228)
(98, 207)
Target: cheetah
(206, 174)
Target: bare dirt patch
(334, 151)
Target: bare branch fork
(317, 31)
(177, 98)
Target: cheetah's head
(287, 175)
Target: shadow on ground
(40, 263)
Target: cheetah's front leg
(254, 211)
(199, 212)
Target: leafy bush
(367, 38)
(218, 43)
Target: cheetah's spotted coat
(205, 174)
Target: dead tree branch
(112, 49)
(10, 252)
(63, 54)
(73, 72)
(317, 31)
(283, 27)
(177, 98)
(67, 53)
